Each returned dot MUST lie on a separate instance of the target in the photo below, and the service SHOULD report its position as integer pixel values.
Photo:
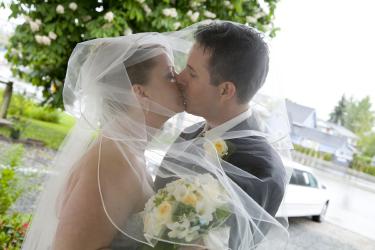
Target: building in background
(310, 132)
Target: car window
(313, 181)
(303, 178)
(293, 178)
(300, 179)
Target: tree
(40, 47)
(367, 144)
(359, 117)
(356, 116)
(338, 114)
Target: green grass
(52, 134)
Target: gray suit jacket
(256, 156)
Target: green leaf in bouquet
(182, 210)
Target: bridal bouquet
(188, 211)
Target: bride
(122, 91)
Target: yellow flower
(164, 209)
(190, 199)
(221, 147)
(53, 88)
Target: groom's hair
(238, 54)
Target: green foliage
(40, 47)
(327, 157)
(359, 118)
(356, 116)
(367, 144)
(313, 153)
(10, 186)
(360, 162)
(21, 106)
(339, 113)
(13, 230)
(369, 170)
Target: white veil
(111, 137)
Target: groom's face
(201, 97)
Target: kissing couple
(173, 146)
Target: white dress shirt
(218, 131)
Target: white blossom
(128, 31)
(28, 19)
(33, 26)
(140, 1)
(250, 19)
(52, 35)
(209, 14)
(73, 6)
(38, 21)
(176, 25)
(146, 9)
(170, 12)
(228, 4)
(38, 39)
(60, 9)
(109, 16)
(46, 40)
(194, 17)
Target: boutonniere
(222, 148)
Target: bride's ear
(140, 91)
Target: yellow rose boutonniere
(220, 146)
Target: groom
(227, 65)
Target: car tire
(320, 218)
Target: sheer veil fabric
(112, 137)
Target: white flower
(34, 26)
(73, 6)
(251, 19)
(109, 16)
(28, 19)
(128, 31)
(182, 230)
(140, 1)
(60, 9)
(194, 17)
(46, 40)
(209, 14)
(38, 21)
(146, 9)
(176, 25)
(172, 12)
(39, 39)
(52, 35)
(228, 4)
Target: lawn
(52, 134)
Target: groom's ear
(227, 90)
(139, 90)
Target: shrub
(43, 114)
(360, 162)
(10, 188)
(13, 230)
(327, 157)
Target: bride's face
(162, 87)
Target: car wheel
(322, 215)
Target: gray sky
(325, 48)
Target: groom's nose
(180, 79)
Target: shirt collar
(222, 128)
